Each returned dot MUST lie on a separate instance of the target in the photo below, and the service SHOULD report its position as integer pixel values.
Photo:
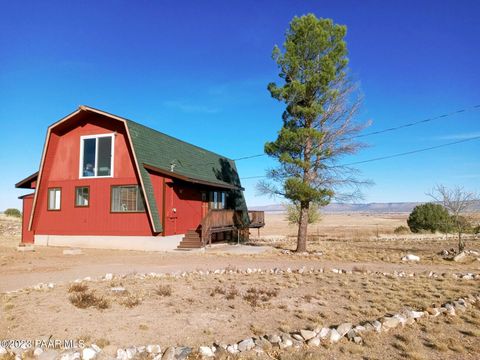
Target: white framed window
(54, 199)
(96, 156)
(127, 198)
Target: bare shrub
(163, 290)
(254, 296)
(78, 287)
(401, 230)
(86, 299)
(217, 290)
(131, 301)
(232, 293)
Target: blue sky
(198, 70)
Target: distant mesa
(393, 207)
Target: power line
(417, 122)
(391, 156)
(413, 151)
(399, 127)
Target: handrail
(227, 218)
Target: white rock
(459, 256)
(122, 354)
(415, 314)
(108, 276)
(411, 257)
(297, 337)
(307, 334)
(377, 325)
(153, 349)
(96, 348)
(131, 352)
(314, 342)
(36, 352)
(231, 349)
(274, 339)
(246, 344)
(344, 328)
(88, 353)
(324, 332)
(3, 351)
(118, 289)
(206, 351)
(70, 356)
(334, 336)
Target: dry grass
(288, 302)
(87, 299)
(164, 290)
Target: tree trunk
(461, 242)
(302, 228)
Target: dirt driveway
(49, 264)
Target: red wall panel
(27, 236)
(61, 169)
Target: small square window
(54, 198)
(82, 196)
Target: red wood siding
(187, 201)
(27, 202)
(61, 169)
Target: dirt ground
(199, 310)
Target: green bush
(402, 229)
(293, 213)
(13, 212)
(429, 217)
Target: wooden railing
(257, 219)
(224, 220)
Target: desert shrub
(78, 287)
(231, 293)
(429, 217)
(131, 301)
(218, 290)
(402, 229)
(13, 212)
(86, 299)
(476, 230)
(253, 296)
(163, 290)
(293, 213)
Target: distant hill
(398, 207)
(393, 207)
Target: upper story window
(96, 155)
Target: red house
(108, 182)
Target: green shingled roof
(165, 152)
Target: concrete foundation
(141, 243)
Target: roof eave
(190, 179)
(23, 184)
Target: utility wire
(391, 156)
(399, 127)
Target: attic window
(96, 155)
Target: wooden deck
(219, 221)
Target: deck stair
(191, 240)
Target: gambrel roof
(161, 153)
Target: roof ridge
(180, 140)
